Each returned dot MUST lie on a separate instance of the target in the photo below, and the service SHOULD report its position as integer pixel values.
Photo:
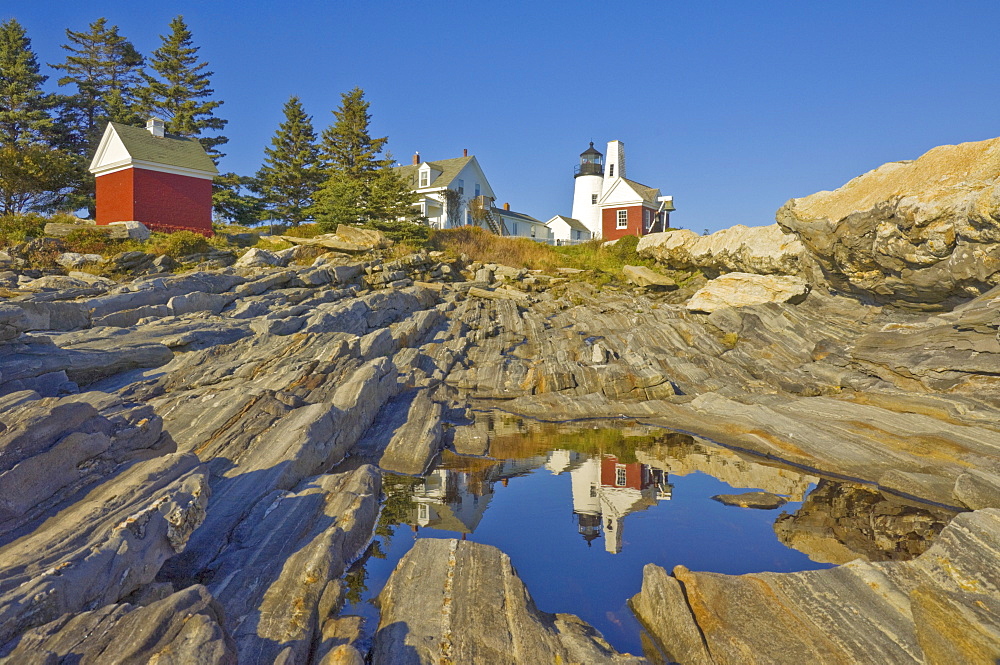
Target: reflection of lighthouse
(606, 490)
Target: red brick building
(628, 208)
(149, 176)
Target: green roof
(449, 168)
(517, 215)
(647, 193)
(180, 151)
(573, 223)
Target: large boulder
(643, 276)
(739, 289)
(923, 232)
(462, 602)
(941, 607)
(766, 250)
(131, 229)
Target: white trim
(98, 169)
(153, 166)
(619, 221)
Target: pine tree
(182, 94)
(290, 176)
(24, 117)
(34, 175)
(106, 70)
(233, 200)
(361, 186)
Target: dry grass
(481, 245)
(303, 231)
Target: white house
(431, 180)
(521, 225)
(567, 231)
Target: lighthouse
(589, 181)
(611, 205)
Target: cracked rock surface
(212, 446)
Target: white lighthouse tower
(589, 181)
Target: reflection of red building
(605, 490)
(635, 475)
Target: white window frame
(622, 219)
(621, 476)
(425, 178)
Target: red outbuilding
(628, 208)
(149, 176)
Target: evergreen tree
(24, 117)
(233, 200)
(34, 175)
(182, 94)
(106, 70)
(36, 178)
(361, 186)
(290, 176)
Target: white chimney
(614, 161)
(156, 127)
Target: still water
(581, 512)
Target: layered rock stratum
(922, 232)
(189, 464)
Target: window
(422, 512)
(478, 191)
(461, 186)
(513, 228)
(620, 476)
(623, 219)
(611, 170)
(593, 199)
(425, 178)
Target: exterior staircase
(484, 206)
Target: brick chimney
(416, 158)
(506, 206)
(465, 152)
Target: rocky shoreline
(172, 476)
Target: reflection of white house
(445, 502)
(568, 231)
(430, 180)
(606, 490)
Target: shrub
(303, 231)
(401, 230)
(91, 241)
(17, 228)
(178, 244)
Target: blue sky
(732, 107)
